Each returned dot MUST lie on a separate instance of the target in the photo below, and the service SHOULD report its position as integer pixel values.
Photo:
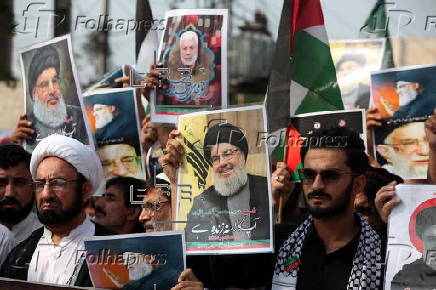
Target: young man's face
(16, 193)
(47, 88)
(332, 193)
(110, 208)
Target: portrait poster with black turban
(405, 98)
(223, 186)
(411, 249)
(114, 124)
(52, 94)
(136, 261)
(193, 54)
(354, 59)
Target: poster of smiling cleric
(354, 60)
(411, 249)
(405, 97)
(115, 127)
(137, 261)
(223, 186)
(52, 94)
(193, 51)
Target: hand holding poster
(193, 51)
(223, 186)
(411, 250)
(53, 100)
(405, 98)
(136, 261)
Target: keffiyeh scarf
(365, 273)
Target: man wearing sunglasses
(65, 172)
(333, 247)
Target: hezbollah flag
(313, 85)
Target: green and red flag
(312, 85)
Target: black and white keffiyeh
(367, 263)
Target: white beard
(403, 167)
(231, 185)
(192, 62)
(103, 119)
(53, 117)
(407, 97)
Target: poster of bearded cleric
(193, 50)
(354, 60)
(411, 249)
(114, 124)
(405, 98)
(52, 93)
(223, 186)
(136, 261)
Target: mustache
(99, 210)
(318, 193)
(9, 200)
(148, 224)
(228, 166)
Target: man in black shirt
(333, 248)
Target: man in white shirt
(16, 192)
(65, 172)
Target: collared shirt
(7, 242)
(60, 264)
(24, 229)
(322, 271)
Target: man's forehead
(18, 170)
(411, 130)
(221, 147)
(116, 151)
(403, 83)
(100, 106)
(320, 158)
(155, 194)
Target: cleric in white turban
(65, 172)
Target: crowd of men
(335, 236)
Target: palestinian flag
(313, 84)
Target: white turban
(81, 157)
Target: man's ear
(384, 151)
(359, 184)
(86, 190)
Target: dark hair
(425, 219)
(43, 58)
(124, 183)
(341, 138)
(157, 182)
(12, 155)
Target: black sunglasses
(308, 175)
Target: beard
(58, 216)
(52, 117)
(189, 62)
(232, 184)
(403, 167)
(14, 215)
(103, 119)
(406, 97)
(340, 206)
